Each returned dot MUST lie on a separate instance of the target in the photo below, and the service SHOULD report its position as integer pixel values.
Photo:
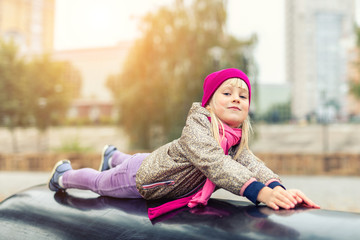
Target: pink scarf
(232, 137)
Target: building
(29, 23)
(270, 95)
(319, 35)
(95, 65)
(354, 73)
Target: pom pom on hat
(215, 79)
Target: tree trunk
(43, 141)
(15, 145)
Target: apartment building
(319, 36)
(30, 23)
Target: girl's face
(230, 103)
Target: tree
(34, 92)
(164, 71)
(14, 104)
(355, 89)
(355, 86)
(52, 92)
(278, 113)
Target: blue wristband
(252, 191)
(275, 184)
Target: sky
(95, 23)
(92, 23)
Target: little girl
(212, 152)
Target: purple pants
(118, 181)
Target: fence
(289, 164)
(313, 164)
(45, 162)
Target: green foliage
(279, 113)
(355, 86)
(14, 104)
(357, 32)
(73, 146)
(83, 121)
(355, 89)
(52, 91)
(164, 71)
(36, 92)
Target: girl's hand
(302, 199)
(278, 198)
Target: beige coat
(181, 166)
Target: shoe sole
(54, 169)
(103, 157)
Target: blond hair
(217, 124)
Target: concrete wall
(309, 139)
(283, 164)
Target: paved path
(335, 193)
(13, 182)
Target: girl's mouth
(235, 108)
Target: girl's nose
(236, 99)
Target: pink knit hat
(214, 80)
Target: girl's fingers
(285, 204)
(283, 201)
(273, 206)
(286, 197)
(297, 198)
(289, 198)
(277, 202)
(306, 200)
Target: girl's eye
(243, 97)
(226, 94)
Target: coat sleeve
(262, 173)
(203, 151)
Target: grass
(73, 146)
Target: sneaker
(59, 169)
(107, 153)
